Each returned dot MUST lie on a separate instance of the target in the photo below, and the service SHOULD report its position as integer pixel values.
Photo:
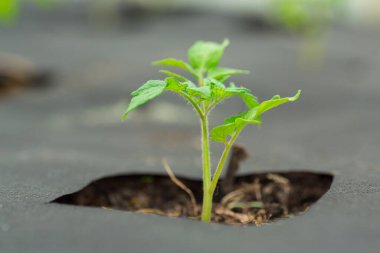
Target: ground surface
(55, 141)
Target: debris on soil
(182, 186)
(244, 200)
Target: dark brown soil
(253, 199)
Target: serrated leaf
(221, 73)
(221, 89)
(235, 89)
(217, 88)
(189, 88)
(248, 117)
(234, 117)
(250, 100)
(203, 92)
(145, 93)
(241, 122)
(232, 124)
(252, 116)
(172, 74)
(220, 92)
(172, 62)
(276, 101)
(173, 85)
(205, 55)
(220, 133)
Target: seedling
(209, 91)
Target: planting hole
(249, 199)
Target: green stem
(195, 105)
(222, 161)
(200, 78)
(207, 197)
(206, 164)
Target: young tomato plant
(208, 91)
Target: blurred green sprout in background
(10, 9)
(312, 19)
(305, 16)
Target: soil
(250, 199)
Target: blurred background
(67, 68)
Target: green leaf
(234, 117)
(232, 88)
(221, 73)
(173, 85)
(172, 62)
(203, 92)
(204, 55)
(172, 74)
(241, 122)
(231, 125)
(220, 133)
(217, 89)
(276, 101)
(223, 79)
(250, 100)
(220, 92)
(245, 94)
(252, 116)
(145, 93)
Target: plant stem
(222, 161)
(200, 78)
(207, 197)
(206, 164)
(196, 107)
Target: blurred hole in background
(18, 73)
